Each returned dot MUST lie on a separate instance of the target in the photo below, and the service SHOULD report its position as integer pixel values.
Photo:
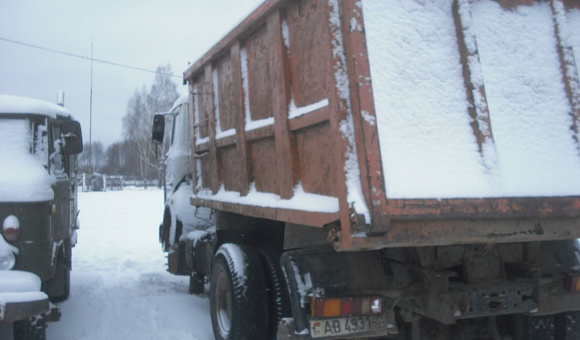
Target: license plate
(322, 328)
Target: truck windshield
(24, 160)
(20, 137)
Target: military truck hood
(23, 178)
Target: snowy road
(119, 286)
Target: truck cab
(181, 225)
(39, 143)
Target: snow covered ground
(120, 288)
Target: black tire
(534, 327)
(568, 326)
(33, 328)
(196, 284)
(58, 288)
(278, 298)
(238, 302)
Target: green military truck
(39, 142)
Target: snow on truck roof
(184, 98)
(22, 105)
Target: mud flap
(325, 273)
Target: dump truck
(383, 168)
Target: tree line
(135, 156)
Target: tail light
(573, 282)
(344, 307)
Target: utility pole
(91, 118)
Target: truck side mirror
(158, 128)
(72, 137)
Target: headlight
(7, 260)
(7, 254)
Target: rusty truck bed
(284, 127)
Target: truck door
(62, 190)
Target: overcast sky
(140, 33)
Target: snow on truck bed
(427, 145)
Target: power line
(87, 58)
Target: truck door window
(56, 159)
(40, 144)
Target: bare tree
(116, 159)
(139, 117)
(99, 158)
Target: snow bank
(427, 144)
(23, 178)
(120, 287)
(22, 105)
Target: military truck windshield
(24, 175)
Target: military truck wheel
(236, 297)
(58, 288)
(196, 284)
(33, 328)
(568, 326)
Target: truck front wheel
(238, 295)
(58, 287)
(33, 328)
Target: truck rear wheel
(278, 299)
(568, 326)
(238, 302)
(534, 327)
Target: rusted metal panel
(469, 231)
(209, 109)
(365, 115)
(511, 4)
(203, 98)
(475, 89)
(258, 46)
(317, 165)
(569, 68)
(264, 132)
(485, 208)
(309, 49)
(204, 171)
(286, 157)
(319, 116)
(284, 215)
(229, 170)
(264, 167)
(192, 129)
(227, 104)
(242, 30)
(242, 156)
